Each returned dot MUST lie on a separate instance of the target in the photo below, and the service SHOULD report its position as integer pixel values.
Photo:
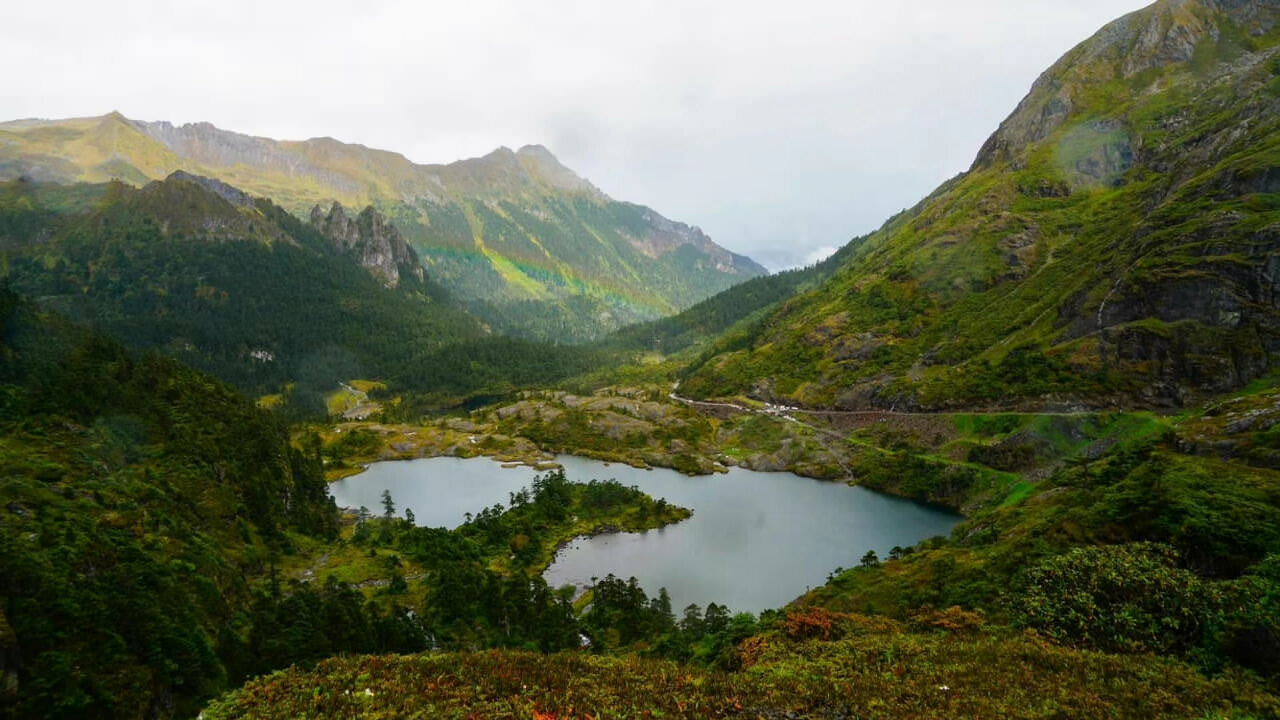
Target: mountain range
(525, 243)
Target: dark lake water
(755, 541)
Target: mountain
(1115, 242)
(524, 241)
(738, 306)
(227, 283)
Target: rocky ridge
(1162, 35)
(374, 241)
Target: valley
(308, 429)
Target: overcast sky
(783, 129)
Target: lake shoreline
(754, 541)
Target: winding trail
(784, 412)
(827, 434)
(820, 432)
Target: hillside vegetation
(139, 498)
(1114, 242)
(857, 667)
(238, 287)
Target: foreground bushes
(878, 670)
(1136, 598)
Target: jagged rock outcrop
(374, 241)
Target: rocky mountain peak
(546, 168)
(1168, 34)
(375, 242)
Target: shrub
(810, 623)
(953, 619)
(1126, 598)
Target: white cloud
(819, 254)
(779, 128)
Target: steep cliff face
(1117, 241)
(374, 241)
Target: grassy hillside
(1112, 243)
(535, 250)
(713, 317)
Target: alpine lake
(756, 540)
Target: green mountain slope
(712, 317)
(139, 498)
(537, 250)
(241, 289)
(1114, 241)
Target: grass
(1021, 491)
(343, 399)
(270, 402)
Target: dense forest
(139, 498)
(250, 294)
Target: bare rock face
(374, 241)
